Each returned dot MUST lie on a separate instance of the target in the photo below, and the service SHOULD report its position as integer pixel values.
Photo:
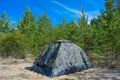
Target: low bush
(14, 45)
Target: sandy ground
(12, 69)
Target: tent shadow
(31, 69)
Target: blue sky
(56, 9)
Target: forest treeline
(30, 35)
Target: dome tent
(61, 57)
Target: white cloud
(67, 8)
(77, 13)
(54, 19)
(13, 22)
(57, 11)
(92, 14)
(92, 2)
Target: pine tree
(44, 23)
(106, 28)
(84, 31)
(44, 30)
(5, 23)
(28, 23)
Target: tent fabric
(61, 57)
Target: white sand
(12, 69)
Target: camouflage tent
(61, 57)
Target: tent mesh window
(49, 55)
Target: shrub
(14, 45)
